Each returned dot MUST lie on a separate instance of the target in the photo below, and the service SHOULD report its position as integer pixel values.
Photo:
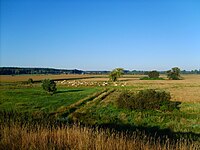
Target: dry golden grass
(95, 79)
(18, 78)
(186, 94)
(186, 90)
(18, 137)
(103, 79)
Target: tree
(30, 81)
(49, 86)
(174, 73)
(115, 74)
(153, 74)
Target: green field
(97, 109)
(89, 102)
(106, 112)
(30, 99)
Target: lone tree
(174, 73)
(153, 74)
(49, 86)
(30, 81)
(116, 73)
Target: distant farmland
(21, 78)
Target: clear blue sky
(101, 34)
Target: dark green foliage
(174, 73)
(17, 71)
(30, 81)
(153, 74)
(125, 100)
(49, 86)
(146, 99)
(115, 74)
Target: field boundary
(95, 101)
(73, 107)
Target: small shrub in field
(30, 81)
(115, 74)
(153, 74)
(124, 100)
(174, 74)
(49, 86)
(146, 99)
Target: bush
(115, 74)
(153, 74)
(49, 86)
(174, 73)
(146, 99)
(30, 81)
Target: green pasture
(106, 113)
(33, 98)
(101, 110)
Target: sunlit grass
(106, 112)
(35, 99)
(79, 138)
(91, 108)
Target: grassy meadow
(83, 114)
(33, 98)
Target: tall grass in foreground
(21, 137)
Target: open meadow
(84, 114)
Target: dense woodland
(18, 71)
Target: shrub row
(146, 99)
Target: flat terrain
(21, 78)
(31, 118)
(34, 99)
(76, 100)
(187, 90)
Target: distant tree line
(18, 71)
(190, 72)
